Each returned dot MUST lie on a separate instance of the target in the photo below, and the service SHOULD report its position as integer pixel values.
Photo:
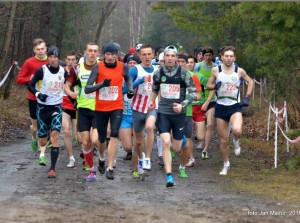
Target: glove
(245, 101)
(130, 94)
(42, 97)
(106, 82)
(218, 85)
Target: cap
(171, 48)
(138, 46)
(53, 50)
(161, 56)
(131, 50)
(110, 47)
(133, 57)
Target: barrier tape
(255, 81)
(285, 136)
(8, 72)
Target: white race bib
(109, 93)
(170, 91)
(145, 88)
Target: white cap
(138, 46)
(161, 56)
(171, 48)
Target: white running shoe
(224, 170)
(147, 164)
(237, 148)
(71, 164)
(140, 166)
(200, 145)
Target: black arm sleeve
(127, 78)
(38, 75)
(90, 87)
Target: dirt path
(27, 195)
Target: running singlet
(85, 100)
(206, 71)
(110, 98)
(228, 93)
(143, 91)
(52, 85)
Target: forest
(265, 34)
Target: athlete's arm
(190, 86)
(133, 75)
(90, 86)
(24, 75)
(127, 78)
(39, 75)
(212, 80)
(246, 77)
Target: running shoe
(182, 173)
(128, 156)
(101, 166)
(204, 155)
(224, 170)
(85, 166)
(237, 148)
(71, 164)
(170, 181)
(147, 164)
(91, 176)
(42, 160)
(200, 145)
(34, 145)
(160, 161)
(173, 153)
(191, 162)
(110, 174)
(140, 167)
(135, 174)
(51, 174)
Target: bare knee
(237, 132)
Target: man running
(108, 76)
(49, 99)
(171, 82)
(225, 79)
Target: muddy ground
(27, 195)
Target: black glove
(106, 82)
(218, 85)
(42, 97)
(130, 94)
(245, 101)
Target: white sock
(226, 164)
(159, 145)
(181, 167)
(72, 158)
(101, 158)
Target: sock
(227, 164)
(54, 155)
(181, 167)
(72, 158)
(42, 154)
(88, 155)
(159, 145)
(101, 158)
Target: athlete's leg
(66, 124)
(210, 120)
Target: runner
(171, 82)
(108, 77)
(51, 78)
(86, 110)
(225, 79)
(143, 121)
(26, 73)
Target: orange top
(110, 98)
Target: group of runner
(153, 92)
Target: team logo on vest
(234, 78)
(163, 79)
(59, 77)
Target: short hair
(144, 46)
(183, 56)
(190, 56)
(91, 44)
(37, 41)
(227, 48)
(71, 53)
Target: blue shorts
(126, 122)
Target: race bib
(145, 88)
(228, 90)
(109, 93)
(170, 91)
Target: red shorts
(198, 114)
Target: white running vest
(141, 99)
(52, 85)
(229, 92)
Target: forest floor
(253, 190)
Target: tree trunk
(7, 40)
(44, 29)
(60, 29)
(106, 10)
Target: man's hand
(73, 95)
(177, 107)
(218, 85)
(106, 82)
(42, 97)
(151, 106)
(245, 101)
(130, 94)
